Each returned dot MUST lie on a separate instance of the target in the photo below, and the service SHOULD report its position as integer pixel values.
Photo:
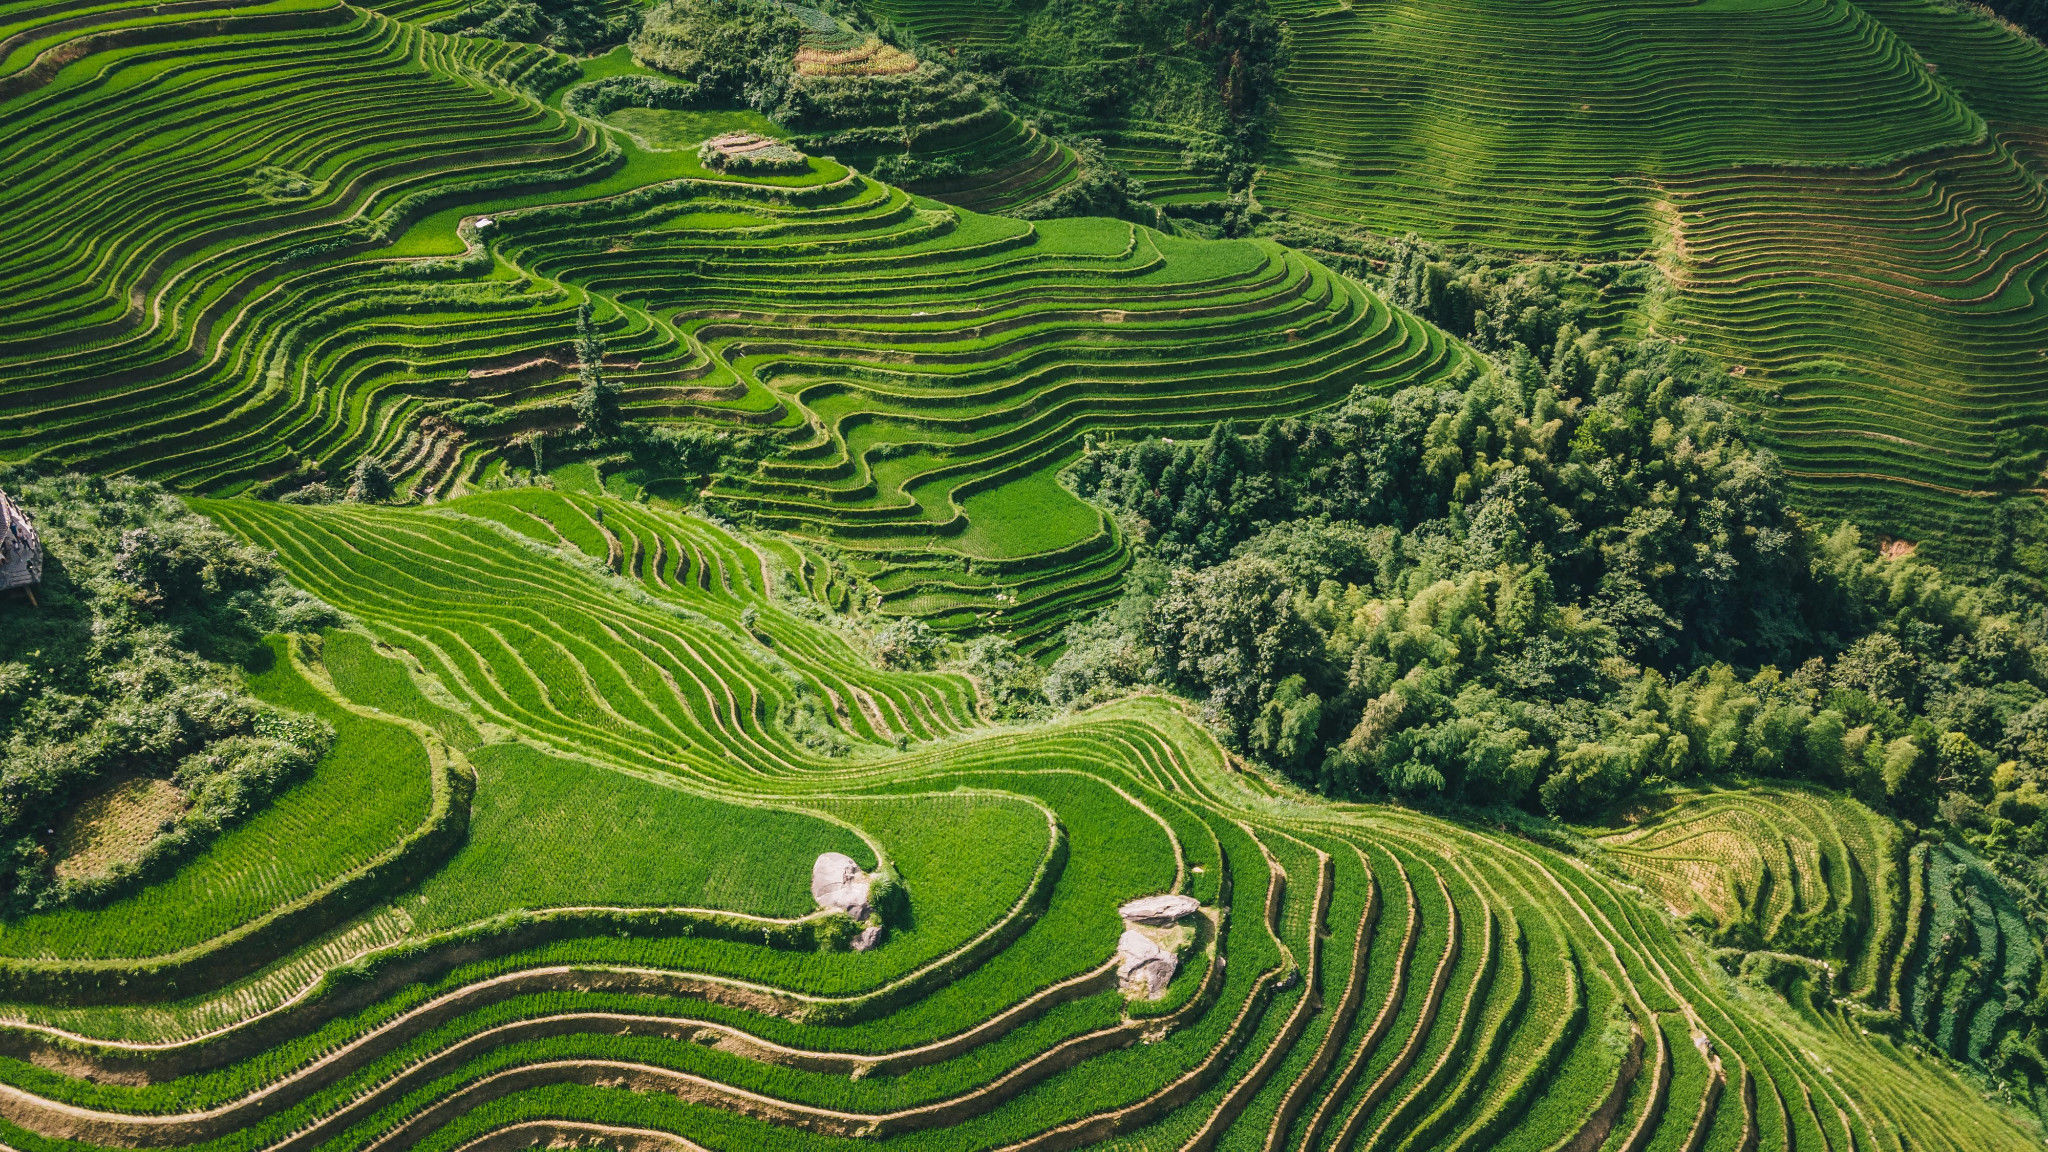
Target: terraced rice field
(1362, 976)
(910, 357)
(1003, 164)
(550, 886)
(1008, 165)
(1891, 316)
(952, 22)
(1900, 926)
(1541, 126)
(1846, 196)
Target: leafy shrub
(125, 670)
(1102, 189)
(1075, 59)
(806, 717)
(574, 26)
(906, 168)
(1569, 579)
(734, 51)
(775, 157)
(908, 642)
(1012, 681)
(602, 97)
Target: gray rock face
(838, 882)
(21, 551)
(868, 938)
(1143, 967)
(1161, 910)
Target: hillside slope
(1359, 975)
(1845, 199)
(316, 235)
(555, 883)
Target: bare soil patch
(114, 826)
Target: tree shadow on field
(57, 621)
(260, 659)
(896, 908)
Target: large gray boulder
(1160, 910)
(838, 882)
(1144, 967)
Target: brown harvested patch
(113, 826)
(873, 58)
(1897, 549)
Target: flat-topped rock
(838, 882)
(1164, 909)
(748, 152)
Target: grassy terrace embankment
(1364, 975)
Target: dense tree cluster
(576, 27)
(743, 52)
(1209, 68)
(126, 670)
(597, 398)
(1101, 188)
(730, 51)
(1549, 587)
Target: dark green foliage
(733, 51)
(893, 109)
(600, 98)
(1012, 682)
(2023, 456)
(1236, 631)
(371, 482)
(1106, 655)
(1102, 189)
(2030, 15)
(597, 399)
(906, 167)
(1208, 68)
(578, 27)
(908, 642)
(1569, 579)
(124, 670)
(689, 450)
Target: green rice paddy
(550, 887)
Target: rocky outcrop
(837, 882)
(1148, 953)
(21, 552)
(1144, 964)
(1162, 910)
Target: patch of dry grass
(114, 826)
